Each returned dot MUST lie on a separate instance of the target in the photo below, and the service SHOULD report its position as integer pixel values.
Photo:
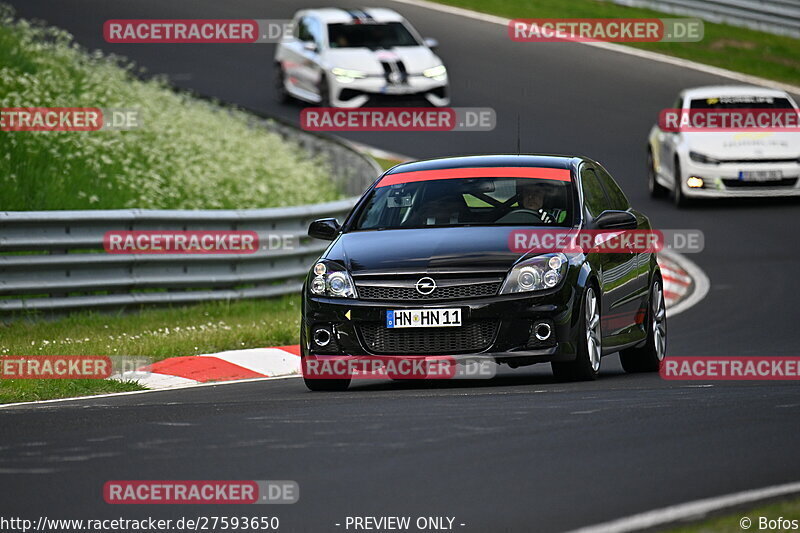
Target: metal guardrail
(54, 260)
(781, 17)
(47, 276)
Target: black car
(429, 247)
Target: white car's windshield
(742, 102)
(373, 35)
(474, 201)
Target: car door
(619, 202)
(668, 142)
(304, 49)
(617, 271)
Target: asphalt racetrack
(517, 453)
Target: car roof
(499, 160)
(716, 91)
(334, 15)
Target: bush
(189, 154)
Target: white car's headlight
(702, 158)
(331, 283)
(345, 75)
(538, 273)
(437, 73)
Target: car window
(742, 102)
(594, 197)
(302, 31)
(309, 30)
(468, 201)
(616, 197)
(388, 35)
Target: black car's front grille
(451, 292)
(785, 182)
(469, 338)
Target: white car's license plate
(760, 175)
(396, 89)
(423, 318)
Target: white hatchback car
(711, 164)
(354, 57)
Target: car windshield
(468, 202)
(742, 102)
(386, 35)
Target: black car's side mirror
(324, 228)
(615, 220)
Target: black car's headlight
(332, 281)
(538, 273)
(697, 157)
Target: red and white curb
(284, 361)
(677, 283)
(234, 365)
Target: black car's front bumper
(356, 324)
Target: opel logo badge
(425, 285)
(395, 77)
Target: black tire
(677, 192)
(280, 85)
(324, 91)
(647, 358)
(582, 368)
(319, 385)
(656, 189)
(327, 385)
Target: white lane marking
(689, 510)
(130, 393)
(645, 54)
(154, 380)
(701, 282)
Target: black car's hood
(425, 249)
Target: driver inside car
(533, 195)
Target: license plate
(423, 318)
(760, 175)
(396, 89)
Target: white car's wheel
(280, 84)
(324, 91)
(677, 191)
(656, 189)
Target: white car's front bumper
(723, 181)
(363, 91)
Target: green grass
(189, 153)
(156, 333)
(752, 52)
(730, 523)
(31, 390)
(386, 164)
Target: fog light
(694, 182)
(322, 337)
(542, 331)
(542, 335)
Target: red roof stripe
(558, 174)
